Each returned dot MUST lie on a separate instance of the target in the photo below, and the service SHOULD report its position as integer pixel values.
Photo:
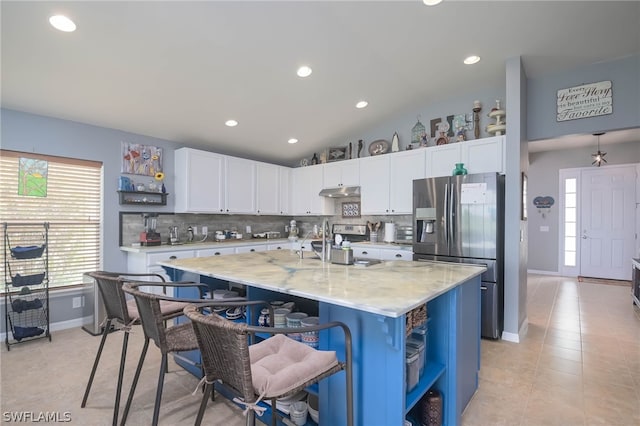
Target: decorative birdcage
(418, 132)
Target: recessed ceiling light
(431, 2)
(304, 71)
(293, 140)
(62, 23)
(470, 60)
(231, 123)
(362, 104)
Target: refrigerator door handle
(446, 212)
(452, 222)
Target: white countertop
(249, 242)
(202, 245)
(390, 288)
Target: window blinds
(71, 206)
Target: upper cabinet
(212, 183)
(479, 156)
(199, 181)
(285, 190)
(272, 189)
(240, 185)
(342, 173)
(386, 181)
(484, 155)
(267, 178)
(306, 184)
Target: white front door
(607, 221)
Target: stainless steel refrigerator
(460, 219)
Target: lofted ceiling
(178, 70)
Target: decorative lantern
(418, 133)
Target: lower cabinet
(375, 252)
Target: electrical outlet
(205, 230)
(195, 230)
(77, 302)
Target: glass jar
(459, 170)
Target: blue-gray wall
(624, 75)
(544, 170)
(44, 135)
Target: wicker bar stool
(175, 338)
(274, 368)
(123, 312)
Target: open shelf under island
(373, 302)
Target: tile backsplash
(131, 224)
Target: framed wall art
(140, 159)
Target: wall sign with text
(588, 100)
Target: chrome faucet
(301, 251)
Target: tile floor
(578, 365)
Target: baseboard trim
(540, 272)
(517, 338)
(61, 325)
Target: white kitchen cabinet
(395, 254)
(218, 251)
(199, 181)
(148, 263)
(366, 253)
(268, 190)
(252, 248)
(240, 185)
(280, 246)
(386, 182)
(306, 184)
(484, 155)
(381, 253)
(284, 185)
(341, 173)
(442, 159)
(374, 185)
(478, 156)
(404, 168)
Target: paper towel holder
(389, 232)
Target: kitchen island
(374, 302)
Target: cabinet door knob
(216, 253)
(172, 258)
(364, 252)
(398, 255)
(252, 250)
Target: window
(570, 222)
(71, 204)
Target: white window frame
(564, 174)
(90, 176)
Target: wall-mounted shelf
(143, 198)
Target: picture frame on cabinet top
(337, 154)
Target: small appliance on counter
(342, 256)
(173, 235)
(150, 237)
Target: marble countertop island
(389, 288)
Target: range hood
(342, 191)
